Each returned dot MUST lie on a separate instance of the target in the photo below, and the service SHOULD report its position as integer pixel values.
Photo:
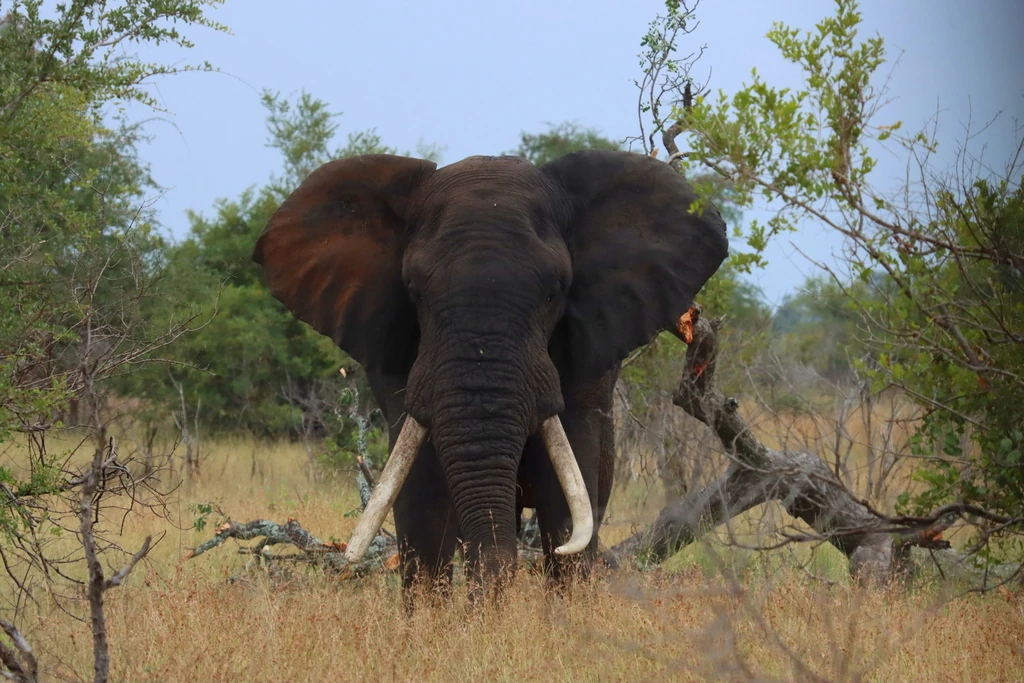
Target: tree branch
(19, 662)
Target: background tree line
(251, 367)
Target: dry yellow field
(181, 620)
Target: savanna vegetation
(154, 396)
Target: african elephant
(491, 303)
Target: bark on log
(803, 483)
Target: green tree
(821, 326)
(947, 319)
(80, 251)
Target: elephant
(490, 303)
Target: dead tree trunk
(803, 483)
(103, 463)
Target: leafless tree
(667, 81)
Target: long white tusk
(572, 484)
(384, 493)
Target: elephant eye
(555, 291)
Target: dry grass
(181, 621)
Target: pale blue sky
(470, 75)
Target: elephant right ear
(332, 254)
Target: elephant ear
(639, 254)
(332, 254)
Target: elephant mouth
(406, 448)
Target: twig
(365, 469)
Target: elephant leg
(553, 515)
(427, 529)
(589, 427)
(606, 464)
(550, 507)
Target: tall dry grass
(182, 620)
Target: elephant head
(487, 287)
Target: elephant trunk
(480, 438)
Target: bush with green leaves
(559, 140)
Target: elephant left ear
(639, 254)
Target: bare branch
(122, 573)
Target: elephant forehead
(480, 179)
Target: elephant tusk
(384, 493)
(575, 489)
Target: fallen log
(878, 547)
(382, 553)
(381, 556)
